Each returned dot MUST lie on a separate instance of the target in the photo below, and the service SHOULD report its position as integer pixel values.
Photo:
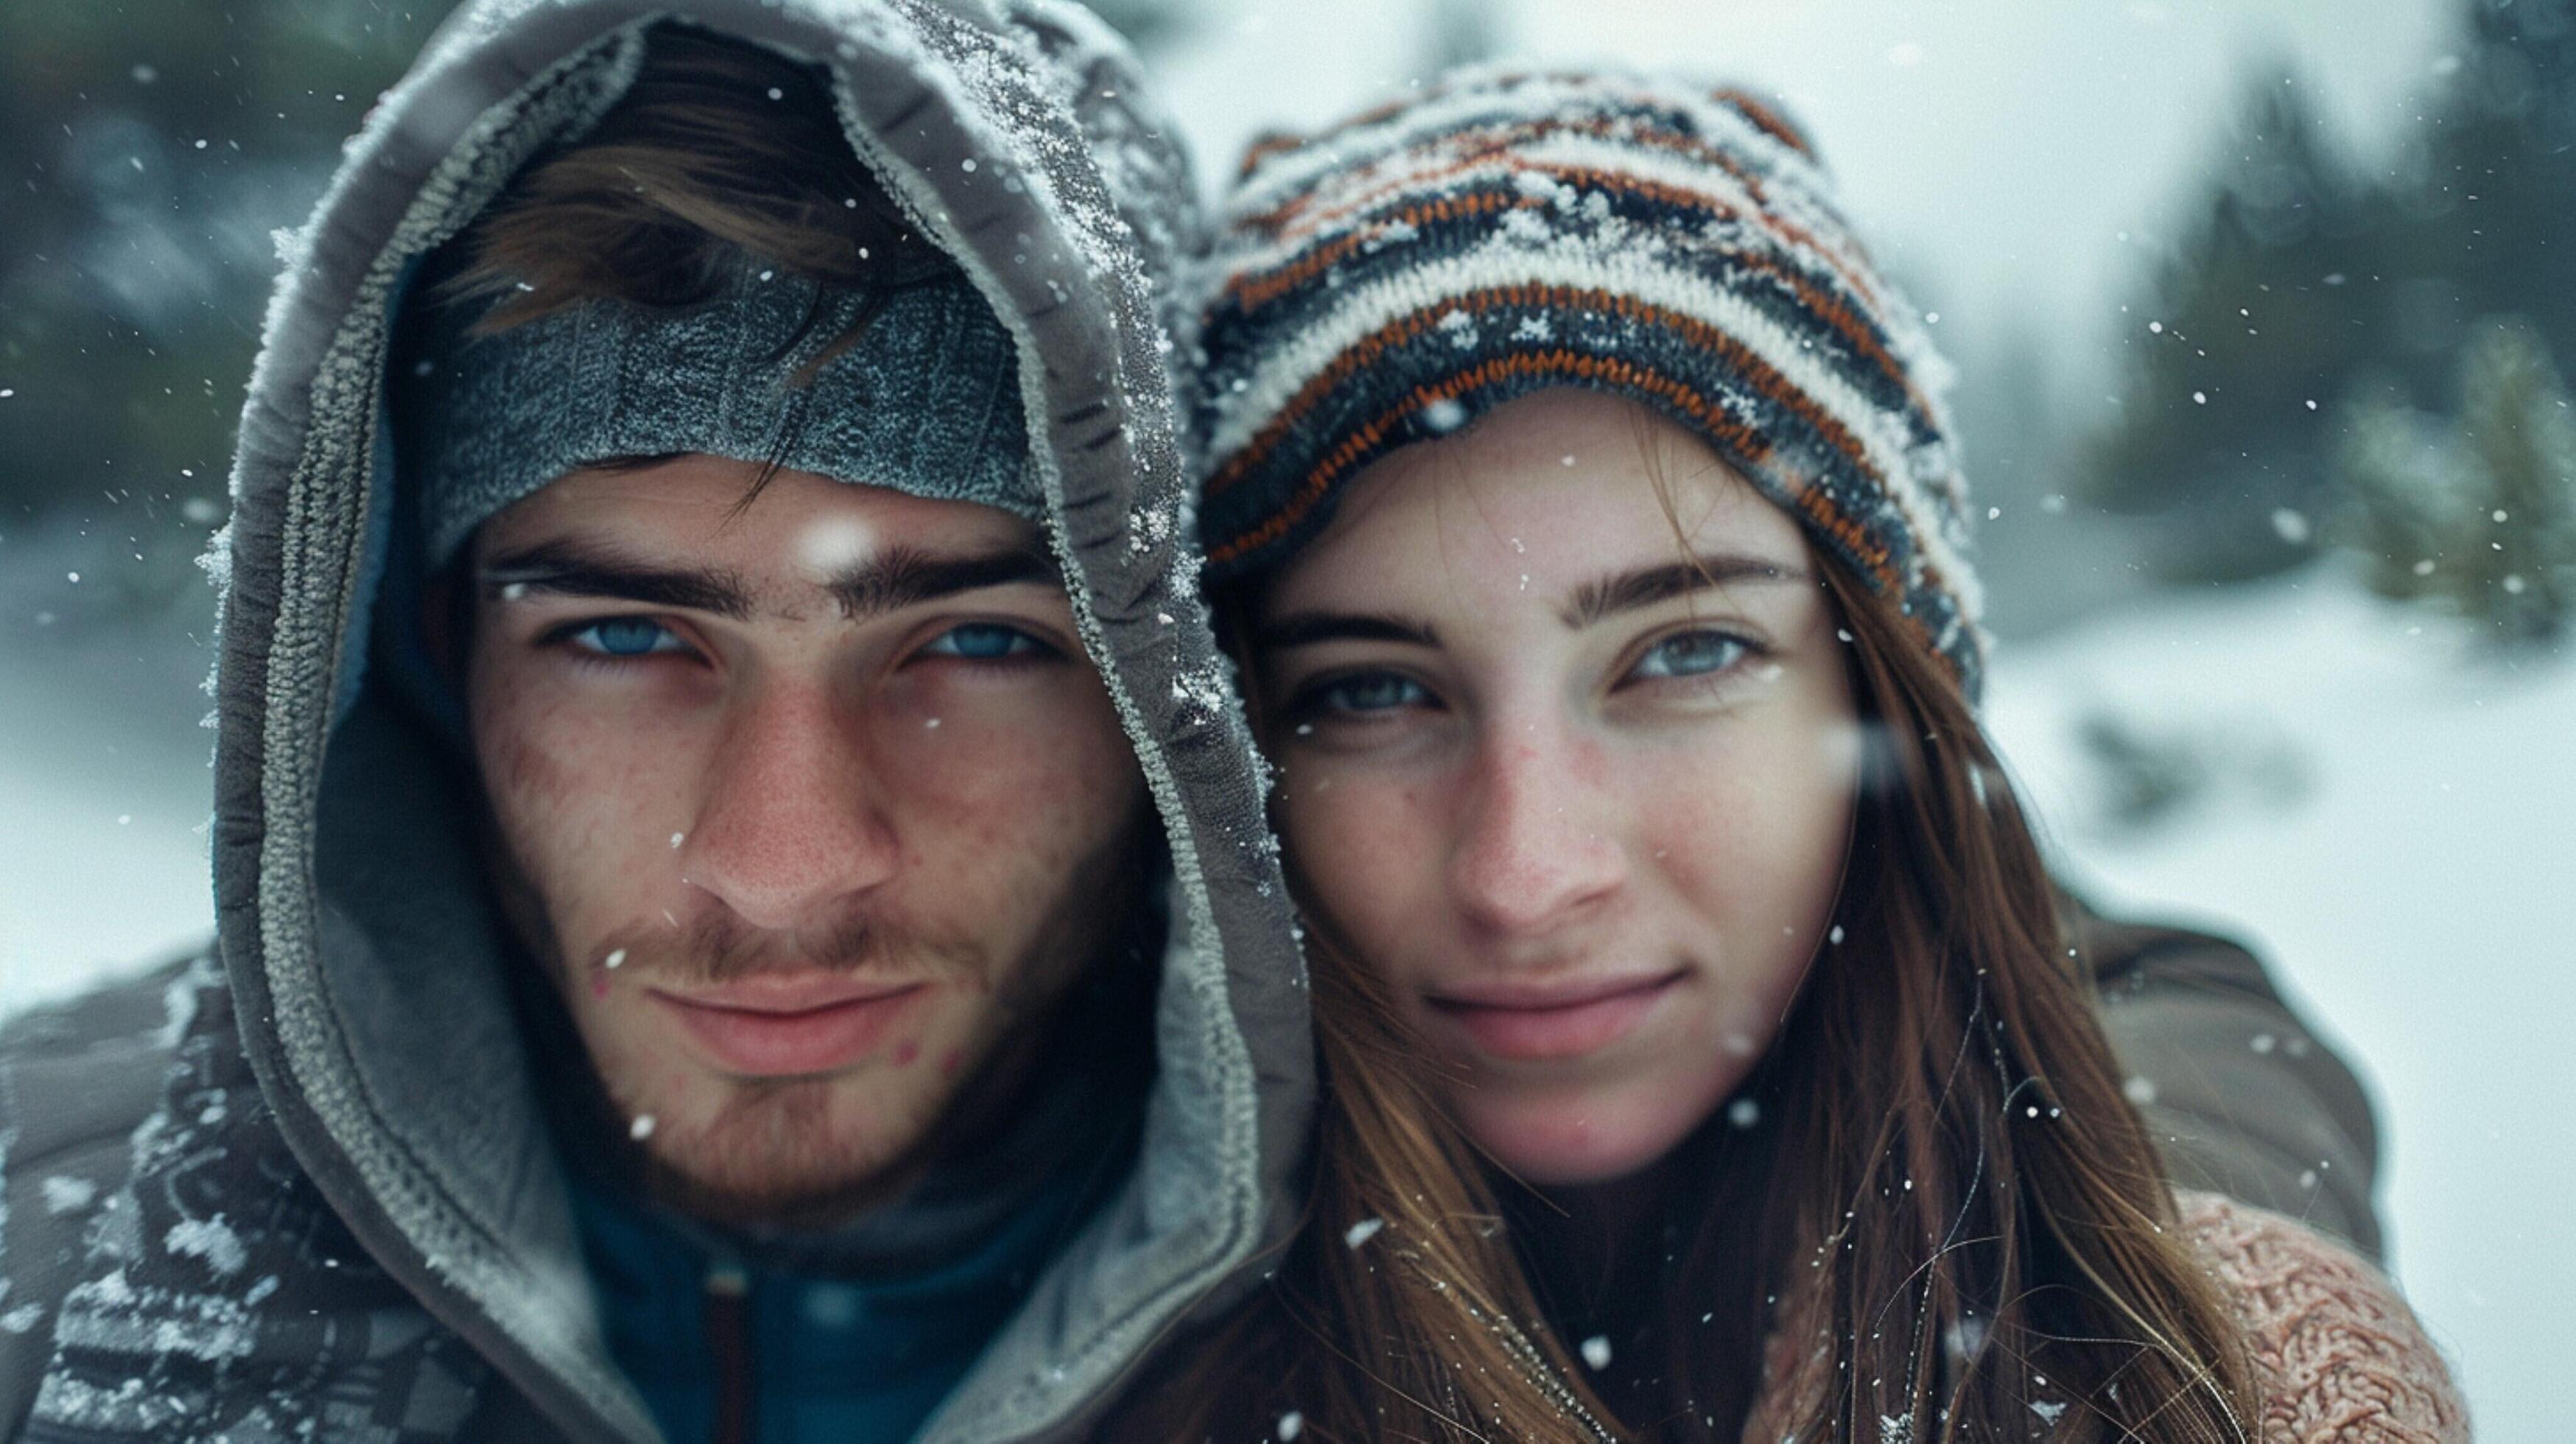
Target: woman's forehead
(1541, 494)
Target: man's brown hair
(720, 154)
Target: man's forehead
(722, 504)
(770, 546)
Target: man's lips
(789, 1024)
(1565, 1018)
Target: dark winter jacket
(2242, 1097)
(302, 1188)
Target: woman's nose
(792, 821)
(1536, 846)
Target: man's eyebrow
(1647, 586)
(587, 569)
(1307, 629)
(903, 576)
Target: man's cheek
(528, 773)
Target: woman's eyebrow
(1306, 629)
(1646, 586)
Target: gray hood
(368, 981)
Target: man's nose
(792, 821)
(1536, 847)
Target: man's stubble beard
(768, 1154)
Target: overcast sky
(1995, 152)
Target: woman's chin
(1574, 1142)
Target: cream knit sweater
(2339, 1357)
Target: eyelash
(569, 636)
(1026, 647)
(1746, 649)
(1315, 701)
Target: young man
(744, 908)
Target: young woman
(1583, 508)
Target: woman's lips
(1527, 1023)
(781, 1027)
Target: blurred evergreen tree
(2516, 567)
(2243, 334)
(2486, 221)
(2406, 504)
(149, 149)
(2480, 515)
(2300, 285)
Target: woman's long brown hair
(1945, 1223)
(1946, 1212)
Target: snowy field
(2387, 814)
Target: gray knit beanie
(925, 401)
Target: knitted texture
(1508, 232)
(926, 401)
(2338, 1356)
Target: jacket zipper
(728, 1319)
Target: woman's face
(1575, 774)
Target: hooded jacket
(303, 1187)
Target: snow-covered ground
(2394, 821)
(104, 780)
(2386, 812)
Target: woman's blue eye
(1690, 654)
(625, 637)
(983, 642)
(1371, 692)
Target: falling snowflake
(68, 1195)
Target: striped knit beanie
(1507, 232)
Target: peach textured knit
(2339, 1357)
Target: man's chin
(785, 1154)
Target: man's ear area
(448, 597)
(447, 610)
(446, 623)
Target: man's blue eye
(1691, 654)
(1372, 692)
(625, 637)
(982, 642)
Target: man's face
(806, 805)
